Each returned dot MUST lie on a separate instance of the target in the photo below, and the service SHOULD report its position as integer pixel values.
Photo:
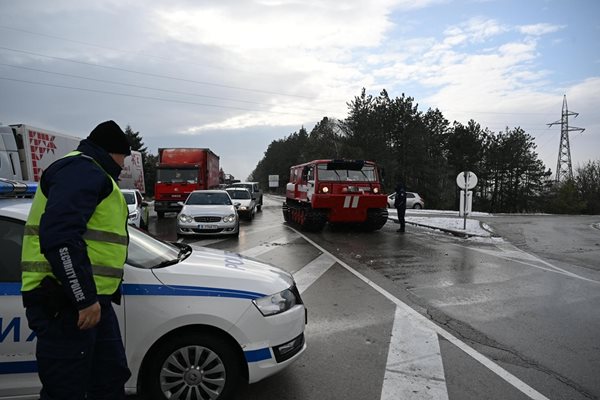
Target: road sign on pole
(466, 180)
(273, 181)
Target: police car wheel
(195, 366)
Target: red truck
(335, 191)
(181, 171)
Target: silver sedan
(208, 212)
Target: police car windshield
(147, 252)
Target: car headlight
(375, 190)
(229, 218)
(242, 208)
(276, 303)
(186, 219)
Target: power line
(170, 60)
(145, 87)
(143, 97)
(95, 45)
(153, 75)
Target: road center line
(416, 319)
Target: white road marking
(414, 368)
(507, 251)
(265, 247)
(313, 271)
(206, 242)
(414, 320)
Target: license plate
(204, 226)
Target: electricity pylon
(564, 169)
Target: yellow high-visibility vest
(106, 239)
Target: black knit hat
(111, 138)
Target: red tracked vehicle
(335, 191)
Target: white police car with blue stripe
(197, 322)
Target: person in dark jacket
(74, 249)
(400, 204)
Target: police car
(197, 323)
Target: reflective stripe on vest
(106, 241)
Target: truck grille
(207, 219)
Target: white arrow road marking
(425, 356)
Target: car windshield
(239, 194)
(176, 175)
(129, 198)
(243, 185)
(208, 198)
(147, 252)
(366, 174)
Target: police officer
(400, 205)
(74, 248)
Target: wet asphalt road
(529, 303)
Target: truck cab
(181, 171)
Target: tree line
(425, 151)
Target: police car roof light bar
(10, 187)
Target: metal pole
(465, 202)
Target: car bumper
(245, 213)
(208, 228)
(274, 342)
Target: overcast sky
(234, 75)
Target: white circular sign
(466, 180)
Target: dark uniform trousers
(76, 364)
(401, 219)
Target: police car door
(18, 370)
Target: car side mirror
(180, 203)
(144, 204)
(237, 205)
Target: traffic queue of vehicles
(197, 323)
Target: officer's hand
(89, 316)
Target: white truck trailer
(25, 151)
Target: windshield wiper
(184, 251)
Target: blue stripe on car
(257, 355)
(134, 289)
(18, 367)
(130, 289)
(10, 289)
